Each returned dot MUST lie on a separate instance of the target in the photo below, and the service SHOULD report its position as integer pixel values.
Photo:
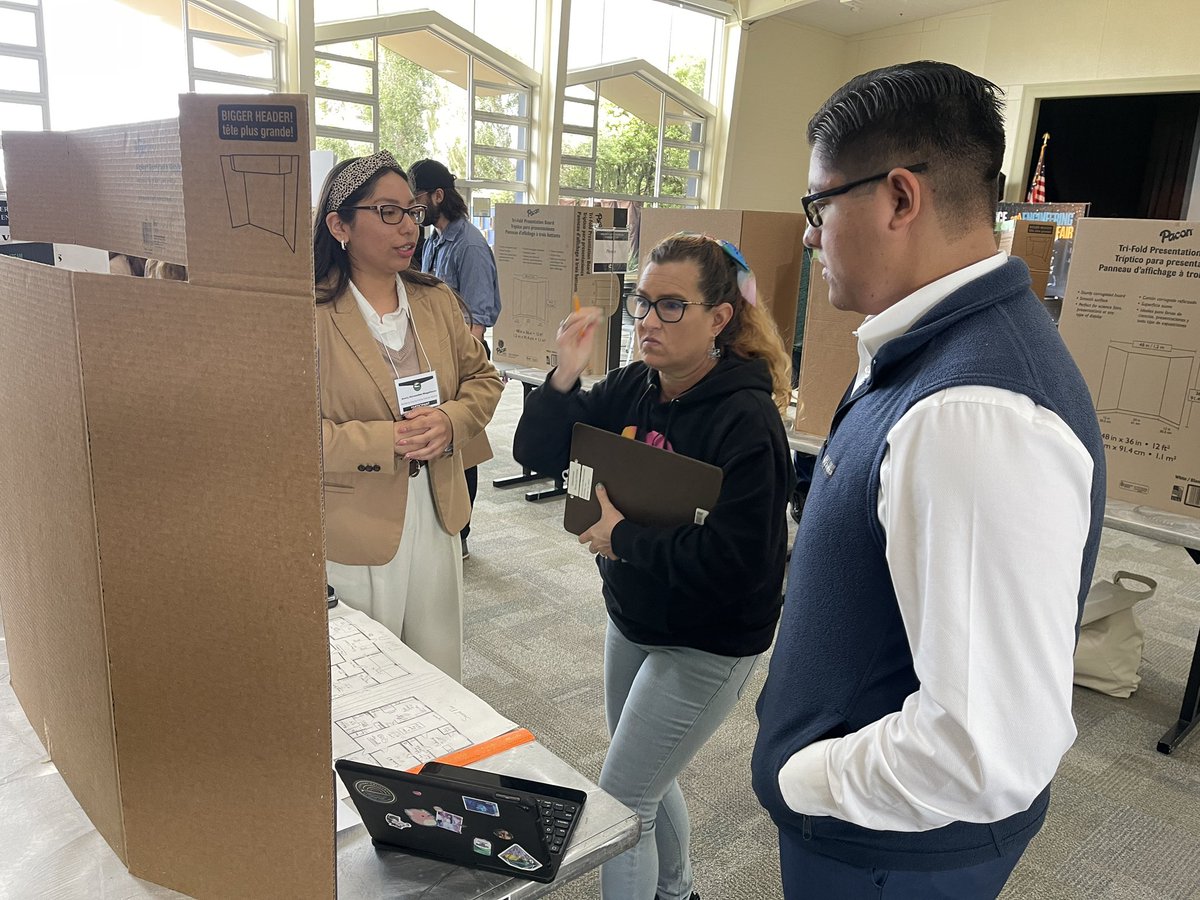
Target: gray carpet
(1124, 822)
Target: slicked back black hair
(919, 112)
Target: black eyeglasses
(668, 309)
(813, 212)
(393, 214)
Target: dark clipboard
(649, 485)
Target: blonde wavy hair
(751, 333)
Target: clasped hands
(423, 433)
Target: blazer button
(377, 468)
(362, 468)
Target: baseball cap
(429, 175)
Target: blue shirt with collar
(461, 257)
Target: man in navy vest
(919, 696)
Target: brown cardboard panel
(830, 358)
(1131, 321)
(246, 191)
(773, 244)
(204, 430)
(660, 223)
(49, 570)
(118, 188)
(770, 241)
(1034, 243)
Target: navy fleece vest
(842, 659)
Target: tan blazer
(366, 483)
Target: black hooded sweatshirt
(712, 587)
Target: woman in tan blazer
(395, 494)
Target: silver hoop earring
(343, 243)
(714, 352)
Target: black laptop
(498, 823)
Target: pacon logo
(533, 211)
(1166, 235)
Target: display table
(1144, 521)
(48, 847)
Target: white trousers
(418, 595)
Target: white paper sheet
(390, 707)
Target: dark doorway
(1130, 156)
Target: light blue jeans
(662, 704)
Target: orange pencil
(575, 301)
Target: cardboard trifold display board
(545, 255)
(162, 574)
(1131, 319)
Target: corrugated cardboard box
(1132, 322)
(545, 254)
(829, 359)
(162, 577)
(771, 242)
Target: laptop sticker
(448, 820)
(374, 791)
(396, 822)
(486, 807)
(421, 817)
(517, 857)
(503, 833)
(482, 846)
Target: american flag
(1037, 188)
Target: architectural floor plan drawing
(1150, 380)
(390, 707)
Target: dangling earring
(343, 245)
(714, 352)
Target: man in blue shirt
(459, 255)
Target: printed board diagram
(530, 298)
(263, 192)
(1146, 379)
(403, 734)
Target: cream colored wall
(1031, 48)
(786, 72)
(1035, 48)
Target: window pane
(20, 117)
(678, 158)
(218, 56)
(691, 132)
(342, 114)
(579, 114)
(493, 134)
(341, 76)
(679, 41)
(678, 186)
(345, 149)
(18, 27)
(498, 168)
(219, 87)
(363, 49)
(579, 177)
(514, 103)
(582, 91)
(19, 74)
(423, 100)
(492, 196)
(627, 150)
(510, 26)
(577, 145)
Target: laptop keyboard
(557, 818)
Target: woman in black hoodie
(690, 607)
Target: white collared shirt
(985, 501)
(391, 329)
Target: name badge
(417, 390)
